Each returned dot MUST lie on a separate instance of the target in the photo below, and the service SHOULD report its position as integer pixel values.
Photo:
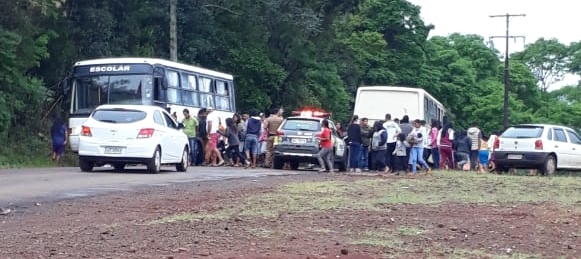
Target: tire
(86, 165)
(294, 165)
(183, 165)
(119, 166)
(343, 163)
(549, 166)
(277, 163)
(154, 164)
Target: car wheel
(119, 166)
(277, 163)
(343, 163)
(86, 165)
(183, 165)
(294, 165)
(154, 165)
(550, 165)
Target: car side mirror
(181, 126)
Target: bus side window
(222, 96)
(173, 87)
(206, 96)
(158, 93)
(190, 90)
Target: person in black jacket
(462, 147)
(354, 136)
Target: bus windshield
(92, 91)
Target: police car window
(304, 125)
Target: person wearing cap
(213, 125)
(271, 125)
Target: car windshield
(302, 125)
(523, 131)
(118, 115)
(93, 91)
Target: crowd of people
(248, 138)
(399, 146)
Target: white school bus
(173, 86)
(373, 102)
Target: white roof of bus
(396, 89)
(154, 61)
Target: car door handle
(556, 146)
(574, 149)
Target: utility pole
(506, 111)
(173, 38)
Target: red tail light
(86, 131)
(145, 133)
(496, 143)
(539, 145)
(280, 133)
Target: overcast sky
(549, 19)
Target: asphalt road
(18, 186)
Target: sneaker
(351, 170)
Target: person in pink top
(435, 127)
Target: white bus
(373, 102)
(146, 81)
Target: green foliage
(282, 53)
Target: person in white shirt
(213, 123)
(392, 130)
(416, 153)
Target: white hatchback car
(538, 146)
(132, 134)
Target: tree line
(282, 52)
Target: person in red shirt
(326, 153)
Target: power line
(506, 111)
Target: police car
(296, 141)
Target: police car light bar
(309, 113)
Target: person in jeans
(354, 136)
(190, 129)
(366, 133)
(231, 134)
(253, 129)
(416, 138)
(379, 147)
(325, 155)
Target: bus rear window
(118, 115)
(523, 131)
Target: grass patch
(374, 194)
(32, 151)
(467, 254)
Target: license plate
(298, 140)
(514, 156)
(113, 150)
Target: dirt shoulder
(310, 216)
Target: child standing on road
(400, 154)
(483, 155)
